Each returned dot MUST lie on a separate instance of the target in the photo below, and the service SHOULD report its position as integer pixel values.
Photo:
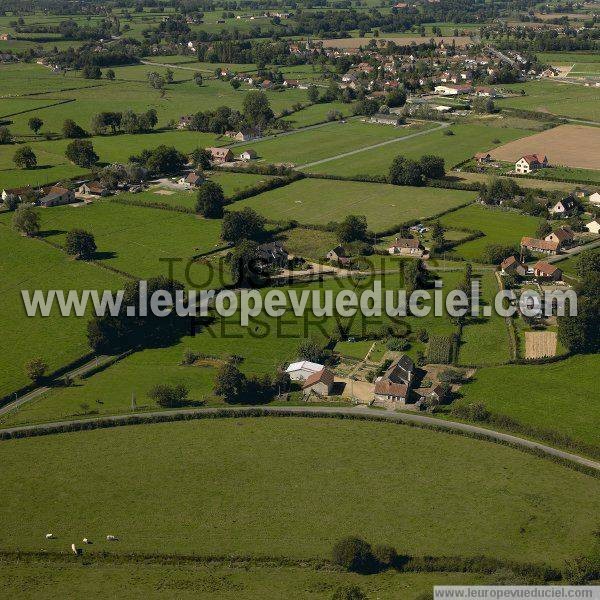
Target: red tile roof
(324, 376)
(385, 387)
(535, 244)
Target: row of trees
(126, 122)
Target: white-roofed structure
(300, 371)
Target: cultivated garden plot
(540, 344)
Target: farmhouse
(337, 254)
(564, 207)
(291, 83)
(530, 162)
(512, 265)
(302, 370)
(393, 387)
(221, 155)
(272, 255)
(407, 247)
(94, 188)
(320, 383)
(483, 157)
(544, 270)
(486, 92)
(244, 135)
(193, 179)
(593, 226)
(184, 122)
(594, 199)
(564, 236)
(19, 193)
(247, 155)
(542, 246)
(452, 90)
(57, 195)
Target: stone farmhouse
(407, 247)
(392, 389)
(220, 155)
(564, 207)
(544, 270)
(512, 265)
(541, 246)
(530, 163)
(564, 236)
(319, 384)
(57, 195)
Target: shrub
(354, 554)
(397, 344)
(348, 592)
(385, 555)
(169, 396)
(80, 243)
(35, 369)
(440, 349)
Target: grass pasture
(498, 226)
(258, 496)
(466, 141)
(535, 395)
(319, 201)
(132, 238)
(31, 264)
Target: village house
(594, 199)
(483, 157)
(291, 83)
(565, 207)
(392, 389)
(544, 270)
(271, 255)
(93, 188)
(593, 226)
(302, 370)
(407, 247)
(435, 396)
(564, 236)
(453, 90)
(338, 254)
(19, 193)
(537, 245)
(247, 155)
(56, 196)
(486, 92)
(192, 180)
(319, 384)
(242, 136)
(386, 119)
(530, 162)
(220, 155)
(5, 37)
(513, 266)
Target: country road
(322, 411)
(373, 146)
(82, 370)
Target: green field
(319, 201)
(568, 58)
(555, 397)
(259, 496)
(558, 98)
(31, 264)
(499, 227)
(316, 113)
(324, 142)
(466, 141)
(130, 238)
(45, 579)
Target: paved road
(82, 370)
(557, 258)
(340, 410)
(352, 152)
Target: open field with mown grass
(317, 113)
(320, 201)
(485, 339)
(499, 227)
(131, 238)
(326, 141)
(466, 141)
(557, 396)
(563, 99)
(45, 578)
(258, 495)
(30, 265)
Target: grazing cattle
(86, 541)
(77, 551)
(49, 536)
(112, 538)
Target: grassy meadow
(31, 264)
(553, 397)
(466, 141)
(320, 201)
(258, 496)
(499, 227)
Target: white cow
(49, 536)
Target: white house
(594, 199)
(302, 370)
(248, 155)
(564, 207)
(593, 227)
(530, 162)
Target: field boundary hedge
(157, 205)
